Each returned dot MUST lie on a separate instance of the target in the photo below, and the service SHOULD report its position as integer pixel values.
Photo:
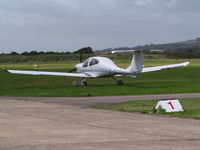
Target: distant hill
(168, 46)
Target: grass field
(178, 80)
(191, 108)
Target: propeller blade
(74, 69)
(81, 56)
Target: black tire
(120, 82)
(76, 83)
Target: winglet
(186, 63)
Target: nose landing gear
(83, 82)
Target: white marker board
(170, 105)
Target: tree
(24, 53)
(33, 53)
(85, 50)
(14, 53)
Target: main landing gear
(83, 82)
(119, 82)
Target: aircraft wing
(150, 69)
(86, 75)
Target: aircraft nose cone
(78, 66)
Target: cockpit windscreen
(93, 61)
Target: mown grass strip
(191, 107)
(177, 80)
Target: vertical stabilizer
(136, 65)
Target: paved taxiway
(39, 123)
(99, 100)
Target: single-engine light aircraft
(96, 67)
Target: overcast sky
(67, 25)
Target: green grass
(191, 108)
(178, 80)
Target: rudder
(136, 65)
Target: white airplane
(96, 67)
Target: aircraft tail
(136, 65)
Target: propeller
(81, 59)
(74, 69)
(81, 56)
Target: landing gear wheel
(120, 82)
(84, 83)
(76, 83)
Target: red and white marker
(170, 105)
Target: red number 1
(170, 103)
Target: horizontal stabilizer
(122, 51)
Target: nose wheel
(119, 82)
(83, 82)
(76, 83)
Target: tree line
(34, 56)
(86, 50)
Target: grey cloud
(71, 24)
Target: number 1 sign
(169, 105)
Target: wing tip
(186, 63)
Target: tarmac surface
(101, 100)
(29, 123)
